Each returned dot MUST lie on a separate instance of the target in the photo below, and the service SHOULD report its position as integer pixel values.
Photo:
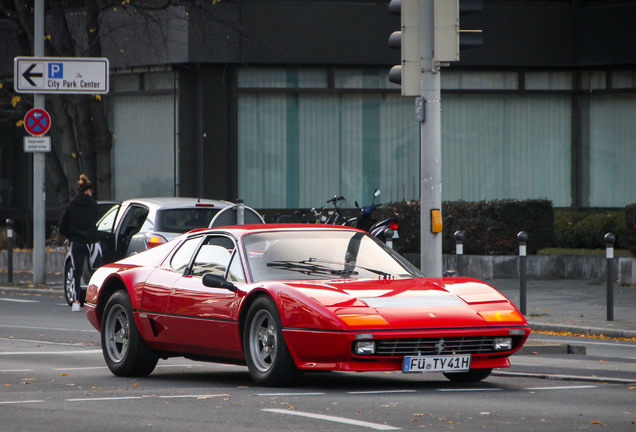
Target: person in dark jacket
(79, 225)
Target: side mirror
(376, 193)
(216, 281)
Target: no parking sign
(37, 122)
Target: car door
(204, 320)
(106, 234)
(133, 218)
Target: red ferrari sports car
(289, 298)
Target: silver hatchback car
(136, 225)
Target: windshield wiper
(349, 268)
(307, 267)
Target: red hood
(411, 303)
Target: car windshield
(321, 254)
(180, 220)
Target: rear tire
(125, 352)
(473, 375)
(266, 354)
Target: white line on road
(289, 394)
(562, 387)
(82, 352)
(381, 392)
(80, 368)
(21, 402)
(105, 399)
(376, 426)
(49, 328)
(18, 300)
(469, 389)
(15, 370)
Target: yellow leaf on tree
(15, 100)
(19, 123)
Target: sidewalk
(560, 305)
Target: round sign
(37, 122)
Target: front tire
(69, 292)
(125, 352)
(266, 354)
(473, 375)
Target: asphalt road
(53, 378)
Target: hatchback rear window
(183, 220)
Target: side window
(181, 259)
(107, 221)
(215, 256)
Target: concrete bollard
(10, 250)
(522, 238)
(459, 252)
(609, 254)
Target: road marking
(562, 387)
(194, 396)
(105, 399)
(469, 390)
(381, 392)
(21, 402)
(48, 328)
(376, 426)
(80, 368)
(40, 342)
(19, 300)
(15, 370)
(289, 394)
(50, 352)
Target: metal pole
(10, 250)
(240, 212)
(459, 252)
(522, 237)
(39, 186)
(388, 237)
(609, 254)
(430, 147)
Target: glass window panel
(465, 80)
(264, 77)
(363, 78)
(128, 82)
(493, 149)
(548, 80)
(347, 145)
(159, 81)
(141, 127)
(612, 151)
(624, 79)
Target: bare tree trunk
(103, 139)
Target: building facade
(287, 103)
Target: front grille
(432, 346)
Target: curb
(583, 330)
(560, 377)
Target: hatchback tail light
(153, 240)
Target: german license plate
(442, 363)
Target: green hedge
(630, 228)
(586, 229)
(489, 227)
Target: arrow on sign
(27, 75)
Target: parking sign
(73, 75)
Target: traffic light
(470, 38)
(407, 40)
(450, 39)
